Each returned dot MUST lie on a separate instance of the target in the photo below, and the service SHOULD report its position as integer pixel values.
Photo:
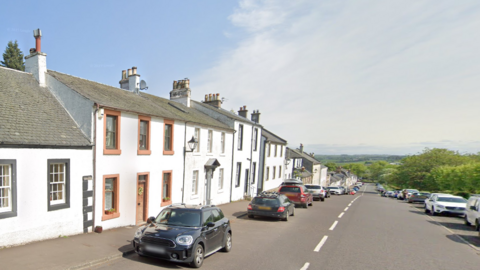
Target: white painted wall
(243, 156)
(277, 162)
(323, 176)
(128, 164)
(33, 221)
(196, 161)
(317, 172)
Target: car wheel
(228, 243)
(426, 210)
(293, 211)
(197, 257)
(322, 199)
(250, 216)
(305, 205)
(466, 221)
(477, 226)
(286, 217)
(433, 211)
(311, 203)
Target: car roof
(190, 206)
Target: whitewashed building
(44, 160)
(272, 161)
(245, 146)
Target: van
(472, 213)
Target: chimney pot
(129, 72)
(134, 70)
(206, 98)
(124, 74)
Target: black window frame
(240, 137)
(239, 174)
(67, 185)
(254, 171)
(13, 165)
(255, 139)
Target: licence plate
(155, 249)
(264, 208)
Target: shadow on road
(452, 225)
(156, 262)
(239, 214)
(472, 240)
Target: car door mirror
(473, 207)
(150, 220)
(210, 224)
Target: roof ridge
(87, 79)
(16, 70)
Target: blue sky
(341, 77)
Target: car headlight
(184, 240)
(139, 232)
(440, 206)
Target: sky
(339, 76)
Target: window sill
(144, 152)
(220, 191)
(209, 154)
(168, 152)
(110, 216)
(165, 203)
(193, 197)
(112, 151)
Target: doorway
(142, 198)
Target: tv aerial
(143, 85)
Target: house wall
(75, 104)
(261, 167)
(33, 221)
(277, 162)
(316, 171)
(129, 163)
(323, 176)
(196, 161)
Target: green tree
(356, 168)
(376, 169)
(13, 57)
(332, 166)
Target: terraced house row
(77, 154)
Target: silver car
(336, 190)
(317, 191)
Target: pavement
(85, 250)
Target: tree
(332, 166)
(13, 57)
(356, 168)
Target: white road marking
(305, 267)
(459, 237)
(346, 209)
(333, 226)
(350, 204)
(322, 242)
(341, 215)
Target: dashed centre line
(341, 215)
(333, 225)
(305, 266)
(320, 245)
(346, 209)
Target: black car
(271, 204)
(184, 233)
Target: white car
(433, 194)
(472, 213)
(442, 204)
(336, 190)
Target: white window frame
(195, 182)
(53, 183)
(6, 195)
(210, 141)
(197, 138)
(222, 142)
(220, 179)
(255, 138)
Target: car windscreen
(290, 189)
(451, 199)
(332, 187)
(179, 217)
(266, 201)
(312, 187)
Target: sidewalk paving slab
(85, 250)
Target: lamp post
(192, 144)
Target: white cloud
(381, 73)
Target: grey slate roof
(141, 103)
(297, 153)
(225, 112)
(31, 115)
(272, 137)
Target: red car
(298, 194)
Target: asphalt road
(364, 231)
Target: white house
(45, 159)
(245, 147)
(272, 160)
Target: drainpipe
(251, 154)
(184, 156)
(233, 157)
(94, 178)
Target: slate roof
(31, 115)
(272, 137)
(225, 112)
(296, 153)
(141, 103)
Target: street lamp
(192, 144)
(287, 161)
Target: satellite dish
(143, 85)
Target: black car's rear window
(266, 201)
(290, 189)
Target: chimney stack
(130, 81)
(243, 111)
(301, 148)
(181, 92)
(36, 62)
(213, 100)
(256, 116)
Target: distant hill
(358, 158)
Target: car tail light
(249, 207)
(281, 209)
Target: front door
(246, 182)
(141, 189)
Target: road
(364, 231)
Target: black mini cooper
(184, 233)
